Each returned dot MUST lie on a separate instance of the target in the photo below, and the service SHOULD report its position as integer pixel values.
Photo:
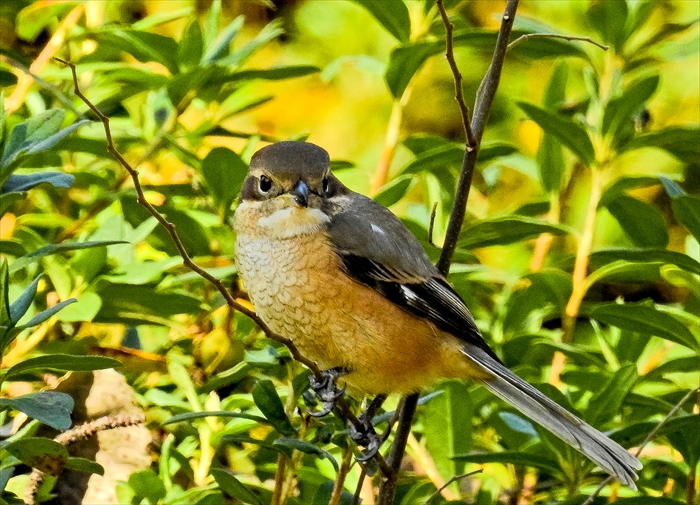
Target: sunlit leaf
(392, 15)
(146, 484)
(191, 47)
(570, 134)
(61, 363)
(513, 458)
(610, 396)
(680, 141)
(224, 172)
(506, 230)
(405, 61)
(608, 17)
(646, 320)
(84, 465)
(620, 111)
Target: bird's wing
(379, 251)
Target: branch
(471, 142)
(484, 101)
(527, 36)
(453, 479)
(649, 438)
(189, 263)
(473, 133)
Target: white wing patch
(377, 229)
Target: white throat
(293, 221)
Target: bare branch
(471, 142)
(649, 438)
(189, 263)
(527, 36)
(484, 100)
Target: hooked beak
(300, 192)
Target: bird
(344, 279)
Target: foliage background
(191, 94)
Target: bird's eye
(265, 184)
(324, 185)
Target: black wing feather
(432, 298)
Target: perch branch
(189, 263)
(473, 133)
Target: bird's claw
(365, 435)
(326, 390)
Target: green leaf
(34, 18)
(270, 32)
(440, 157)
(268, 74)
(191, 47)
(6, 200)
(681, 142)
(395, 190)
(533, 49)
(62, 363)
(493, 149)
(41, 453)
(570, 134)
(55, 248)
(608, 399)
(224, 172)
(644, 255)
(513, 458)
(646, 320)
(87, 306)
(623, 184)
(146, 484)
(620, 111)
(220, 46)
(20, 306)
(84, 465)
(405, 61)
(682, 432)
(609, 17)
(506, 230)
(447, 426)
(17, 183)
(641, 222)
(188, 416)
(124, 304)
(5, 318)
(392, 15)
(306, 448)
(686, 208)
(550, 156)
(268, 401)
(234, 487)
(49, 407)
(211, 25)
(144, 46)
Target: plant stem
(340, 478)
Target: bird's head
(289, 191)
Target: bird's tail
(609, 455)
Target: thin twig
(484, 101)
(648, 439)
(360, 484)
(431, 228)
(76, 434)
(340, 478)
(527, 36)
(189, 263)
(471, 142)
(453, 479)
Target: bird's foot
(365, 435)
(326, 389)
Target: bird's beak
(300, 192)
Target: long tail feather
(609, 455)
